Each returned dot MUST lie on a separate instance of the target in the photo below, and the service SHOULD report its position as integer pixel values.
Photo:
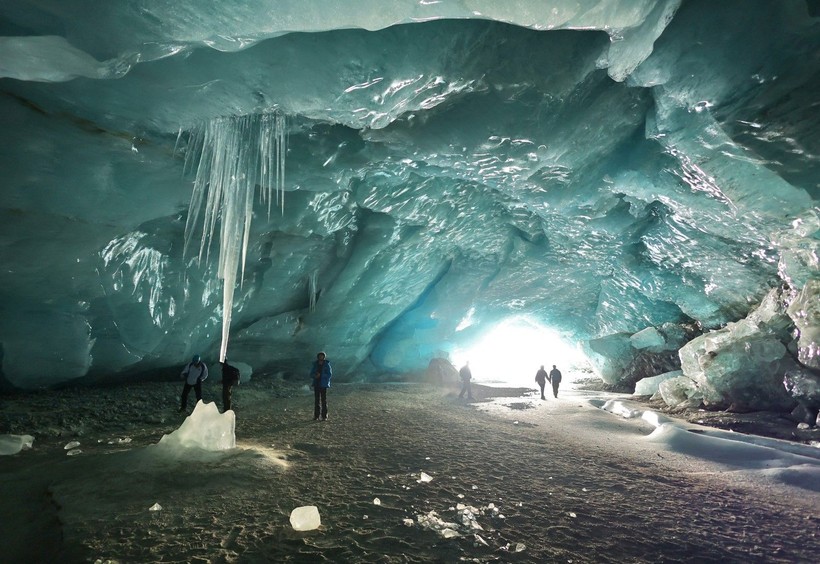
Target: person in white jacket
(194, 373)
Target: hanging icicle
(231, 156)
(312, 290)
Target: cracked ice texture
(805, 311)
(743, 364)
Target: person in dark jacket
(541, 378)
(555, 380)
(320, 375)
(466, 387)
(230, 378)
(194, 373)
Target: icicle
(176, 144)
(281, 149)
(312, 290)
(232, 155)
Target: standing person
(194, 373)
(466, 376)
(320, 374)
(555, 379)
(230, 378)
(541, 378)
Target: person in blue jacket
(320, 375)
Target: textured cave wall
(655, 171)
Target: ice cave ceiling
(604, 167)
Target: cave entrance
(510, 353)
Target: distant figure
(320, 374)
(194, 373)
(541, 378)
(230, 378)
(466, 376)
(555, 378)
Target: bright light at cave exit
(512, 352)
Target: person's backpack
(231, 373)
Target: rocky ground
(545, 488)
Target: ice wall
(630, 173)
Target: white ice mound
(205, 428)
(305, 518)
(12, 444)
(650, 386)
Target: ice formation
(12, 444)
(232, 156)
(633, 175)
(205, 429)
(805, 311)
(680, 390)
(650, 386)
(305, 518)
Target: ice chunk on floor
(433, 522)
(676, 391)
(118, 441)
(205, 428)
(71, 445)
(649, 386)
(12, 444)
(742, 363)
(155, 507)
(425, 478)
(305, 518)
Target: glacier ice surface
(805, 311)
(619, 171)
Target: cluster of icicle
(231, 156)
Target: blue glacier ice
(390, 183)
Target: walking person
(194, 373)
(541, 378)
(555, 379)
(466, 375)
(230, 378)
(320, 373)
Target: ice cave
(628, 185)
(392, 183)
